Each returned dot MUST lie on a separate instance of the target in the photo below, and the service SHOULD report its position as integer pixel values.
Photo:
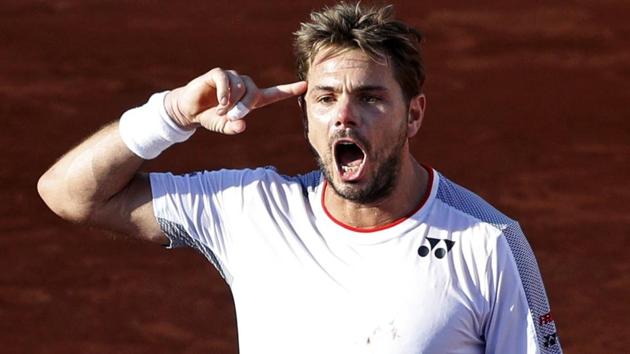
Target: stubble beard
(380, 186)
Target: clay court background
(528, 106)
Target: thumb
(235, 127)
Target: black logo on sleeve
(550, 340)
(438, 247)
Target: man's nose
(346, 114)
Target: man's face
(357, 124)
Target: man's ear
(417, 106)
(302, 104)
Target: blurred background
(527, 106)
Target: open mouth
(349, 158)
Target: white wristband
(148, 130)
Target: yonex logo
(439, 251)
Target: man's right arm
(98, 182)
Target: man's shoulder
(309, 178)
(268, 177)
(467, 202)
(264, 176)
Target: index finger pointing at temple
(277, 93)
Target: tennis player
(373, 252)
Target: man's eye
(370, 99)
(325, 99)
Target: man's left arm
(520, 319)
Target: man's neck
(401, 202)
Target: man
(372, 253)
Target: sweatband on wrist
(148, 130)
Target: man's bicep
(131, 212)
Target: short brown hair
(348, 26)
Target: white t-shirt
(456, 276)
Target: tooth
(349, 168)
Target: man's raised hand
(206, 100)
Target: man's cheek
(320, 114)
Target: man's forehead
(348, 57)
(353, 63)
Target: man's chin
(356, 191)
(348, 192)
(360, 191)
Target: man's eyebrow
(364, 88)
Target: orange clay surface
(528, 105)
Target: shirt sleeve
(196, 210)
(520, 319)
